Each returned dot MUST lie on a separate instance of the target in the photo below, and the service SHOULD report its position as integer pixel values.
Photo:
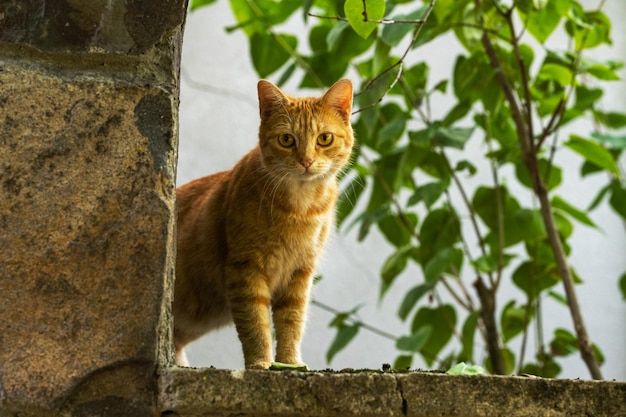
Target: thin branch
(365, 326)
(380, 99)
(470, 209)
(380, 21)
(499, 207)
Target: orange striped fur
(249, 239)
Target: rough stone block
(86, 213)
(222, 393)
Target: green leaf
(564, 343)
(589, 29)
(551, 174)
(255, 17)
(542, 21)
(411, 298)
(394, 33)
(344, 336)
(416, 341)
(349, 198)
(611, 141)
(514, 320)
(613, 120)
(268, 54)
(393, 266)
(533, 278)
(467, 339)
(622, 285)
(443, 319)
(428, 193)
(559, 204)
(618, 198)
(440, 230)
(593, 153)
(355, 14)
(587, 97)
(196, 4)
(463, 369)
(446, 260)
(279, 366)
(403, 362)
(395, 229)
(562, 75)
(454, 137)
(559, 298)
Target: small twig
(393, 83)
(380, 21)
(470, 209)
(365, 326)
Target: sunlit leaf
(355, 13)
(559, 204)
(464, 369)
(196, 4)
(268, 53)
(593, 153)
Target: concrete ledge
(211, 392)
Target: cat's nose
(307, 162)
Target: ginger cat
(249, 239)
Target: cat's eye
(286, 140)
(325, 139)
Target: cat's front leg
(250, 302)
(289, 315)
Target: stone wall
(88, 141)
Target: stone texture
(88, 139)
(222, 393)
(119, 26)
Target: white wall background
(218, 125)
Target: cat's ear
(270, 97)
(339, 97)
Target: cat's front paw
(259, 365)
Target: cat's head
(305, 138)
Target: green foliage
(506, 96)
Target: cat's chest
(292, 247)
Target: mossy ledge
(224, 393)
